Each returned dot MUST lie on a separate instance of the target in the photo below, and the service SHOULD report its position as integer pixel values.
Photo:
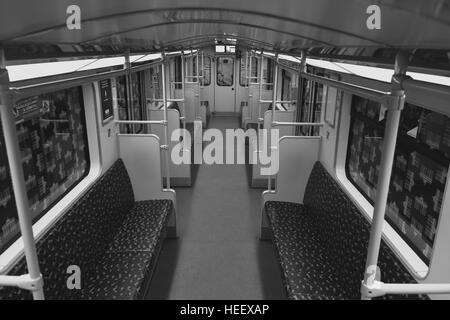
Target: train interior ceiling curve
(224, 149)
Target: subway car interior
(217, 150)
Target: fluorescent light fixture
(104, 63)
(39, 70)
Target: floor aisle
(218, 254)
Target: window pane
(253, 71)
(268, 73)
(230, 49)
(9, 226)
(178, 73)
(311, 108)
(122, 103)
(225, 71)
(220, 49)
(286, 86)
(156, 83)
(419, 173)
(206, 80)
(52, 136)
(136, 100)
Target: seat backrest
(82, 235)
(345, 233)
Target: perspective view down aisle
(220, 255)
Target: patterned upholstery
(109, 236)
(322, 245)
(126, 273)
(142, 227)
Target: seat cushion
(142, 227)
(330, 232)
(81, 235)
(302, 296)
(305, 263)
(118, 276)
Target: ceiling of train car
(283, 25)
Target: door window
(225, 71)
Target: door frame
(233, 87)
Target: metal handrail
(76, 81)
(312, 124)
(161, 122)
(279, 101)
(168, 100)
(274, 99)
(371, 94)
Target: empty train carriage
(224, 149)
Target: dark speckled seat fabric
(112, 238)
(322, 245)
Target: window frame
(194, 69)
(246, 82)
(91, 95)
(54, 201)
(403, 142)
(124, 128)
(137, 128)
(177, 72)
(418, 269)
(233, 69)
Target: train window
(243, 81)
(9, 226)
(269, 73)
(136, 100)
(122, 103)
(285, 86)
(225, 71)
(156, 81)
(318, 105)
(225, 49)
(206, 72)
(230, 49)
(220, 49)
(53, 140)
(312, 105)
(178, 73)
(419, 173)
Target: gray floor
(218, 254)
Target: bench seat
(306, 266)
(114, 240)
(117, 276)
(142, 227)
(322, 244)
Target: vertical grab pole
(246, 68)
(249, 80)
(198, 84)
(129, 88)
(153, 73)
(300, 91)
(202, 68)
(250, 68)
(171, 92)
(260, 87)
(247, 83)
(395, 103)
(202, 85)
(18, 180)
(274, 99)
(166, 124)
(184, 89)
